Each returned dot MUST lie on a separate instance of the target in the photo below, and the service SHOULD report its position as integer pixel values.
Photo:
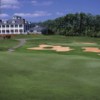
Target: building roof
(14, 20)
(38, 28)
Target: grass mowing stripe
(48, 75)
(45, 76)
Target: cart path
(21, 43)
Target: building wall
(16, 25)
(8, 29)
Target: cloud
(12, 4)
(34, 2)
(9, 6)
(35, 14)
(9, 1)
(59, 13)
(4, 15)
(45, 3)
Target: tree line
(79, 24)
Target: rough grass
(48, 75)
(7, 43)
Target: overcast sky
(40, 10)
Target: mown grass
(49, 75)
(5, 44)
(73, 42)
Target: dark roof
(38, 28)
(14, 20)
(17, 21)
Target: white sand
(91, 49)
(56, 48)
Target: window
(16, 25)
(5, 22)
(12, 31)
(7, 26)
(7, 31)
(20, 25)
(16, 30)
(31, 30)
(20, 31)
(12, 25)
(3, 26)
(3, 31)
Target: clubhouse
(16, 25)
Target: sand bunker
(60, 48)
(91, 49)
(51, 47)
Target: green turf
(73, 42)
(7, 43)
(48, 75)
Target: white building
(16, 25)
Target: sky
(41, 10)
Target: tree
(79, 24)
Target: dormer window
(5, 22)
(26, 22)
(13, 22)
(17, 17)
(0, 21)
